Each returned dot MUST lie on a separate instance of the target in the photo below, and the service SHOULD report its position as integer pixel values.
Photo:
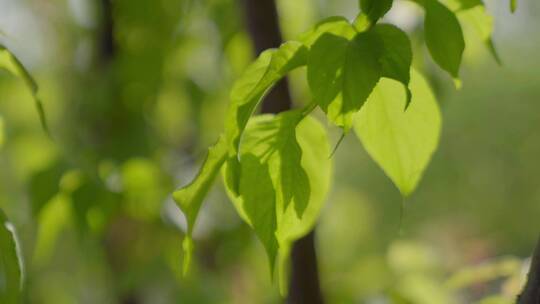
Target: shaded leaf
(444, 37)
(342, 74)
(283, 180)
(375, 9)
(402, 143)
(396, 57)
(11, 267)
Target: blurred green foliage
(132, 114)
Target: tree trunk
(531, 292)
(262, 23)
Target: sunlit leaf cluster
(277, 168)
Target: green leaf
(11, 267)
(444, 37)
(338, 26)
(189, 198)
(342, 73)
(474, 13)
(10, 62)
(375, 9)
(401, 143)
(257, 80)
(396, 57)
(284, 176)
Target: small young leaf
(283, 180)
(11, 270)
(402, 143)
(257, 80)
(444, 37)
(342, 74)
(375, 9)
(10, 62)
(189, 198)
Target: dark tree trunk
(262, 23)
(531, 292)
(106, 46)
(106, 53)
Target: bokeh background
(136, 92)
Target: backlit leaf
(474, 13)
(337, 26)
(189, 198)
(11, 63)
(257, 80)
(11, 271)
(401, 142)
(283, 180)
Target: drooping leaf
(10, 62)
(401, 143)
(444, 36)
(284, 177)
(190, 197)
(257, 80)
(396, 57)
(342, 73)
(375, 9)
(11, 267)
(474, 13)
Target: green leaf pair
(11, 275)
(344, 66)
